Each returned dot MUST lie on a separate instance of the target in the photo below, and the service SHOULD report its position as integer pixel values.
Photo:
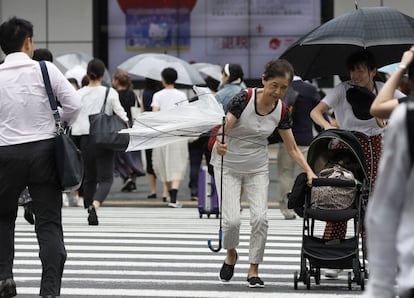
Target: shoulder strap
(52, 99)
(283, 113)
(106, 96)
(410, 128)
(249, 93)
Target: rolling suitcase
(207, 194)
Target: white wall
(66, 25)
(345, 6)
(59, 25)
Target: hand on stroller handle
(335, 182)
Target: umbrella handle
(219, 243)
(221, 198)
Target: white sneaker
(175, 205)
(65, 199)
(79, 202)
(332, 273)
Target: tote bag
(69, 161)
(104, 129)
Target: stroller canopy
(330, 141)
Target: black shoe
(7, 288)
(255, 282)
(152, 196)
(92, 217)
(28, 213)
(127, 186)
(227, 271)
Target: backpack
(273, 138)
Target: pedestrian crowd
(285, 109)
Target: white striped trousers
(255, 188)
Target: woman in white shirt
(170, 161)
(98, 162)
(351, 101)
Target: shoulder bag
(104, 129)
(69, 161)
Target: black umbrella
(386, 32)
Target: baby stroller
(317, 252)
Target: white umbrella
(184, 121)
(208, 69)
(151, 65)
(77, 60)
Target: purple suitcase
(207, 194)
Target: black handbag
(104, 130)
(69, 161)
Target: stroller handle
(334, 182)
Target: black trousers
(99, 171)
(408, 294)
(33, 164)
(196, 150)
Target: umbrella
(208, 69)
(151, 65)
(386, 32)
(72, 62)
(185, 121)
(390, 68)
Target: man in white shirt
(27, 154)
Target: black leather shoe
(7, 288)
(93, 217)
(28, 213)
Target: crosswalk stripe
(157, 252)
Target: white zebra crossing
(162, 252)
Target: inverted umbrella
(186, 120)
(386, 32)
(208, 69)
(151, 65)
(71, 61)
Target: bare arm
(385, 102)
(317, 115)
(295, 153)
(230, 120)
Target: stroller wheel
(295, 280)
(349, 281)
(362, 281)
(318, 276)
(308, 280)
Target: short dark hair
(13, 34)
(362, 57)
(42, 54)
(278, 68)
(169, 75)
(235, 72)
(95, 69)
